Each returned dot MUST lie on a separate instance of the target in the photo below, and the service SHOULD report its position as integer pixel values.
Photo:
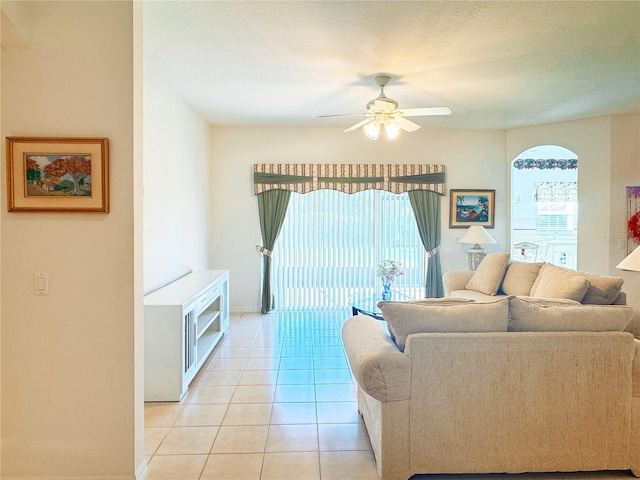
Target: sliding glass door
(331, 243)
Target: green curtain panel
(426, 209)
(272, 208)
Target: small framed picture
(46, 174)
(472, 207)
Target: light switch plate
(41, 284)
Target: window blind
(331, 243)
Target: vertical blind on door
(331, 243)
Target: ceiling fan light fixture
(371, 130)
(383, 113)
(391, 130)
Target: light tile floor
(276, 401)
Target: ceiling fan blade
(419, 112)
(360, 124)
(343, 115)
(406, 125)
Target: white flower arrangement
(389, 270)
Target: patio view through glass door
(331, 243)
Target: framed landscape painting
(46, 174)
(472, 207)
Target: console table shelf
(183, 322)
(205, 320)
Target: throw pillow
(557, 282)
(550, 315)
(488, 277)
(449, 315)
(603, 289)
(520, 277)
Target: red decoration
(634, 227)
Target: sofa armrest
(634, 446)
(455, 281)
(380, 368)
(635, 374)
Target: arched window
(544, 206)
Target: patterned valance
(545, 164)
(347, 178)
(555, 191)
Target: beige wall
(68, 359)
(474, 159)
(176, 186)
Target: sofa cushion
(552, 315)
(520, 277)
(488, 277)
(446, 315)
(438, 301)
(473, 295)
(603, 290)
(558, 282)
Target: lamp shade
(631, 262)
(476, 234)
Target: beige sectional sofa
(497, 276)
(513, 384)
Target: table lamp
(477, 235)
(631, 262)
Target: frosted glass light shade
(392, 130)
(631, 262)
(371, 130)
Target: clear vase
(386, 291)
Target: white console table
(183, 321)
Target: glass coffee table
(367, 303)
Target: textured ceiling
(496, 64)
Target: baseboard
(141, 472)
(78, 477)
(244, 310)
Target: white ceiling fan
(383, 113)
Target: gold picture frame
(57, 174)
(472, 207)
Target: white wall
(474, 159)
(176, 186)
(69, 359)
